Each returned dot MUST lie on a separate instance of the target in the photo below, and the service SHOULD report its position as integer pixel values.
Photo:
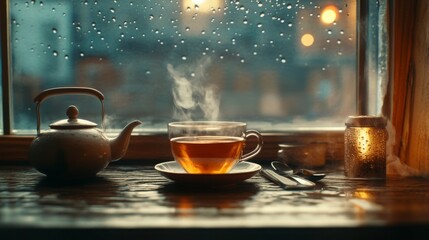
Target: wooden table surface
(135, 201)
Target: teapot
(73, 147)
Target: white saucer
(242, 171)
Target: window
(277, 65)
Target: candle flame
(364, 140)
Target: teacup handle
(257, 149)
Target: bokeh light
(329, 14)
(307, 40)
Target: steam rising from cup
(194, 98)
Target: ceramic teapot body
(75, 148)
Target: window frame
(14, 148)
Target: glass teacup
(211, 147)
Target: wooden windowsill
(156, 146)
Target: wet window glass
(274, 64)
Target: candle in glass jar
(365, 147)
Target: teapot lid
(72, 122)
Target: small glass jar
(365, 147)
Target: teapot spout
(119, 145)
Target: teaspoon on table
(284, 169)
(286, 182)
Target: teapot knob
(72, 122)
(72, 112)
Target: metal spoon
(301, 180)
(308, 174)
(287, 182)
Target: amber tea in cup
(210, 147)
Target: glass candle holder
(365, 147)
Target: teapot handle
(67, 90)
